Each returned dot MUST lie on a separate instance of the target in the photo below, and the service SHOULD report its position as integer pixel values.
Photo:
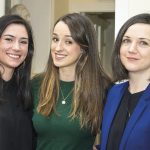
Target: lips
(14, 56)
(132, 58)
(60, 56)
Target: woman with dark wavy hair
(16, 51)
(69, 95)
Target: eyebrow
(14, 36)
(126, 36)
(138, 38)
(144, 39)
(65, 35)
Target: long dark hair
(91, 82)
(23, 72)
(119, 71)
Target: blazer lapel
(135, 116)
(114, 99)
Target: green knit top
(58, 131)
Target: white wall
(2, 7)
(125, 9)
(14, 2)
(41, 19)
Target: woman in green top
(69, 95)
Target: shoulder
(36, 82)
(118, 86)
(115, 92)
(35, 87)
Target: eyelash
(54, 39)
(8, 39)
(21, 42)
(125, 41)
(143, 43)
(24, 42)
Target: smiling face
(64, 50)
(135, 48)
(13, 46)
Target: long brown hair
(91, 82)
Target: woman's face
(64, 50)
(135, 48)
(13, 46)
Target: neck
(138, 83)
(6, 73)
(66, 74)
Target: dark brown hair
(119, 71)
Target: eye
(126, 41)
(8, 39)
(24, 42)
(55, 39)
(143, 43)
(68, 42)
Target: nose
(133, 47)
(59, 46)
(16, 46)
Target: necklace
(64, 98)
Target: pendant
(129, 114)
(63, 102)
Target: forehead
(62, 28)
(139, 29)
(16, 30)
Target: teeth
(13, 56)
(60, 56)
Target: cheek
(122, 54)
(76, 51)
(52, 46)
(76, 55)
(122, 51)
(145, 53)
(25, 53)
(4, 47)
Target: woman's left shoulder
(36, 80)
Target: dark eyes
(126, 41)
(66, 41)
(24, 42)
(12, 40)
(8, 39)
(143, 43)
(140, 43)
(54, 39)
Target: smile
(14, 56)
(59, 56)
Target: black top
(15, 122)
(127, 105)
